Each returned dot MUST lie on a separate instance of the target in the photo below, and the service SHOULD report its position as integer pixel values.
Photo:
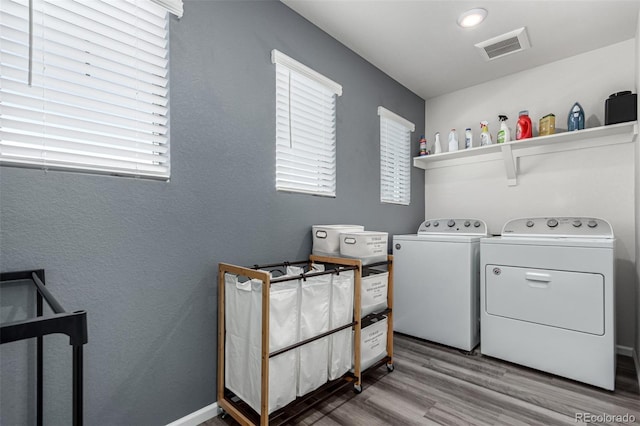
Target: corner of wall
(637, 205)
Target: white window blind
(89, 91)
(395, 157)
(305, 128)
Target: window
(305, 128)
(84, 86)
(395, 157)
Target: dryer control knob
(577, 223)
(451, 223)
(436, 224)
(552, 223)
(592, 224)
(476, 224)
(467, 224)
(529, 224)
(427, 224)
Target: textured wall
(141, 256)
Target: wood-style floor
(437, 385)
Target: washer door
(563, 299)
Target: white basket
(373, 293)
(326, 238)
(373, 343)
(368, 246)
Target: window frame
(307, 163)
(61, 116)
(397, 151)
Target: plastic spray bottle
(453, 140)
(437, 148)
(485, 136)
(504, 134)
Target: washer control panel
(453, 227)
(558, 227)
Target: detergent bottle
(485, 136)
(437, 148)
(423, 145)
(523, 128)
(453, 140)
(468, 138)
(504, 134)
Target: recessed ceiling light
(472, 17)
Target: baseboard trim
(197, 417)
(624, 350)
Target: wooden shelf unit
(239, 410)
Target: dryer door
(570, 300)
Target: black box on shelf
(621, 107)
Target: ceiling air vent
(505, 44)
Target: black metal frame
(72, 324)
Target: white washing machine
(547, 297)
(436, 276)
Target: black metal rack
(73, 324)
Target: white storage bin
(368, 246)
(373, 293)
(341, 313)
(373, 343)
(326, 238)
(243, 340)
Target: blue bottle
(576, 118)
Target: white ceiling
(419, 43)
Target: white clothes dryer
(547, 297)
(436, 276)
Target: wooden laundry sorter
(239, 409)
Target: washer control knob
(467, 224)
(451, 223)
(552, 223)
(427, 224)
(577, 223)
(592, 224)
(529, 224)
(476, 224)
(436, 224)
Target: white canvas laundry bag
(313, 358)
(243, 341)
(341, 313)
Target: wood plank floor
(437, 385)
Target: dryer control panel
(558, 227)
(453, 227)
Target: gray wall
(141, 256)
